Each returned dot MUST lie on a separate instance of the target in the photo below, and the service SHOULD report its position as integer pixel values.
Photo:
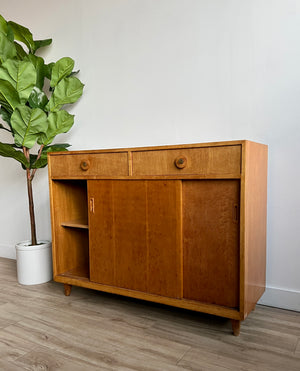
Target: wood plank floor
(41, 329)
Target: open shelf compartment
(70, 227)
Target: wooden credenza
(181, 225)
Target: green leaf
(73, 73)
(3, 25)
(37, 98)
(22, 34)
(39, 65)
(7, 48)
(57, 147)
(6, 29)
(8, 150)
(27, 125)
(9, 97)
(67, 91)
(5, 115)
(59, 122)
(41, 43)
(62, 68)
(41, 162)
(21, 75)
(21, 54)
(10, 34)
(32, 159)
(48, 70)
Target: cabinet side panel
(211, 241)
(255, 222)
(102, 247)
(164, 238)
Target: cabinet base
(236, 324)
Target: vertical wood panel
(118, 247)
(102, 249)
(118, 233)
(129, 200)
(164, 238)
(255, 222)
(135, 235)
(211, 241)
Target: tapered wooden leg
(236, 326)
(67, 289)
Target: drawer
(190, 161)
(89, 164)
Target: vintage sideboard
(181, 225)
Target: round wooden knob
(180, 162)
(85, 165)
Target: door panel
(101, 234)
(117, 228)
(164, 238)
(135, 235)
(211, 241)
(129, 239)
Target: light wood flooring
(41, 329)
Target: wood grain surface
(86, 165)
(135, 235)
(211, 241)
(70, 245)
(256, 169)
(192, 236)
(208, 161)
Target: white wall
(177, 71)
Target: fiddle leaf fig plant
(33, 96)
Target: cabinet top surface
(153, 148)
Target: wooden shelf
(77, 272)
(76, 224)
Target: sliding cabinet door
(135, 235)
(211, 241)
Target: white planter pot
(34, 263)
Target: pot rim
(25, 245)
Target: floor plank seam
(26, 353)
(184, 354)
(296, 347)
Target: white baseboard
(279, 298)
(272, 297)
(7, 251)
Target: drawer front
(191, 161)
(85, 165)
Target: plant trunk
(31, 209)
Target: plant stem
(38, 157)
(31, 208)
(29, 178)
